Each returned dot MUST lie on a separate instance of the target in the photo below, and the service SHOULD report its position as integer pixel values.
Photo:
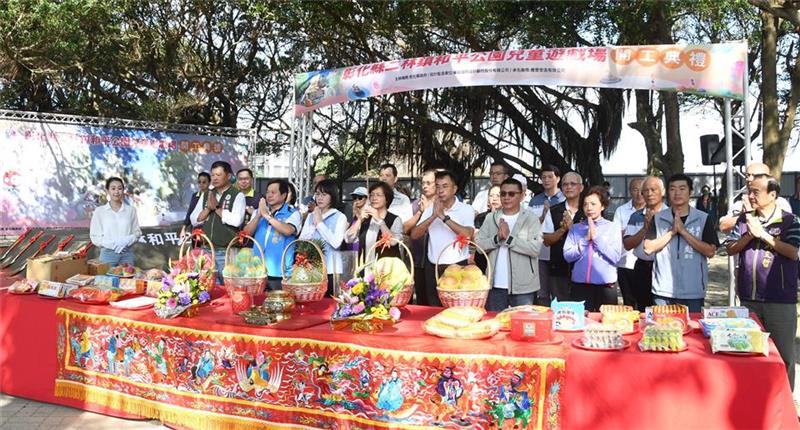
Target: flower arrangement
(178, 293)
(187, 284)
(365, 299)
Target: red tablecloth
(629, 389)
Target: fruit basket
(307, 283)
(463, 286)
(195, 260)
(245, 275)
(393, 270)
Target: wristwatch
(446, 218)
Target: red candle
(531, 327)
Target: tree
(780, 19)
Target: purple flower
(204, 296)
(394, 313)
(172, 303)
(184, 298)
(344, 311)
(351, 283)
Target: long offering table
(211, 371)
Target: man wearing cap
(359, 196)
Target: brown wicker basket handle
(321, 254)
(469, 242)
(186, 240)
(375, 245)
(255, 242)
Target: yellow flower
(379, 311)
(357, 289)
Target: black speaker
(712, 150)
(709, 146)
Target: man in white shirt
(498, 172)
(222, 210)
(401, 204)
(625, 265)
(443, 222)
(639, 224)
(540, 205)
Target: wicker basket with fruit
(244, 274)
(392, 270)
(463, 286)
(309, 279)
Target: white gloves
(120, 245)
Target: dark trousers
(626, 281)
(594, 295)
(329, 291)
(274, 283)
(419, 286)
(643, 284)
(430, 293)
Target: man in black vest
(223, 212)
(562, 215)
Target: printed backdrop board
(53, 175)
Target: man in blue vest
(682, 239)
(766, 241)
(274, 225)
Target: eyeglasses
(570, 184)
(508, 193)
(359, 197)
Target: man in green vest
(222, 212)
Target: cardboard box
(97, 268)
(55, 270)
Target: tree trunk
(773, 149)
(672, 121)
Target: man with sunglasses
(513, 239)
(753, 171)
(563, 215)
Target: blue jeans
(499, 299)
(111, 258)
(695, 305)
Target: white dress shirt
(109, 226)
(401, 206)
(233, 217)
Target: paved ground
(22, 414)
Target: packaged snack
(662, 338)
(667, 313)
(461, 316)
(740, 340)
(726, 312)
(602, 336)
(105, 282)
(568, 316)
(24, 286)
(709, 324)
(531, 326)
(81, 280)
(54, 289)
(620, 321)
(505, 315)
